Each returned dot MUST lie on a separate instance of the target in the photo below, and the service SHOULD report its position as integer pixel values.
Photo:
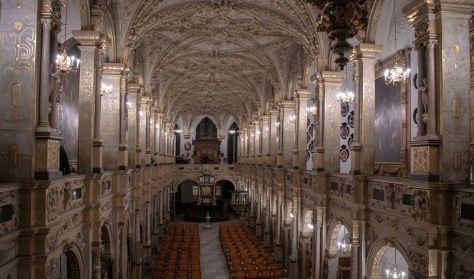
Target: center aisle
(213, 262)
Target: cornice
(91, 38)
(113, 69)
(367, 51)
(333, 76)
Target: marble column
(123, 143)
(316, 264)
(294, 255)
(97, 143)
(265, 139)
(132, 103)
(110, 115)
(277, 245)
(288, 126)
(332, 119)
(91, 43)
(273, 138)
(318, 131)
(362, 148)
(47, 139)
(56, 86)
(268, 213)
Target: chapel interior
(243, 139)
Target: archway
(339, 250)
(206, 145)
(69, 265)
(185, 197)
(106, 260)
(232, 144)
(386, 255)
(227, 188)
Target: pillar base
(292, 268)
(318, 159)
(147, 254)
(259, 231)
(278, 252)
(47, 155)
(266, 239)
(97, 155)
(424, 160)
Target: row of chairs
(179, 254)
(246, 257)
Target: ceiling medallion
(341, 19)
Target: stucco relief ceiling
(213, 56)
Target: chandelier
(392, 271)
(397, 73)
(312, 110)
(346, 96)
(342, 20)
(65, 63)
(106, 90)
(344, 246)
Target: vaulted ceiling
(219, 56)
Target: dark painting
(388, 121)
(69, 111)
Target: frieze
(7, 252)
(418, 262)
(105, 185)
(69, 221)
(460, 198)
(396, 198)
(9, 198)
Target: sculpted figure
(424, 95)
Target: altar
(207, 191)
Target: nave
(226, 250)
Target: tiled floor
(213, 263)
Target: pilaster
(365, 56)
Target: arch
(333, 233)
(376, 253)
(74, 259)
(206, 129)
(227, 187)
(106, 255)
(232, 143)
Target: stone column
(277, 245)
(55, 87)
(332, 119)
(273, 137)
(362, 150)
(132, 102)
(259, 202)
(47, 139)
(267, 229)
(302, 95)
(97, 150)
(316, 274)
(110, 115)
(266, 139)
(305, 241)
(123, 142)
(288, 126)
(89, 87)
(318, 131)
(293, 258)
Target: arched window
(232, 140)
(206, 129)
(178, 141)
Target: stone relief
(6, 198)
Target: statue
(424, 95)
